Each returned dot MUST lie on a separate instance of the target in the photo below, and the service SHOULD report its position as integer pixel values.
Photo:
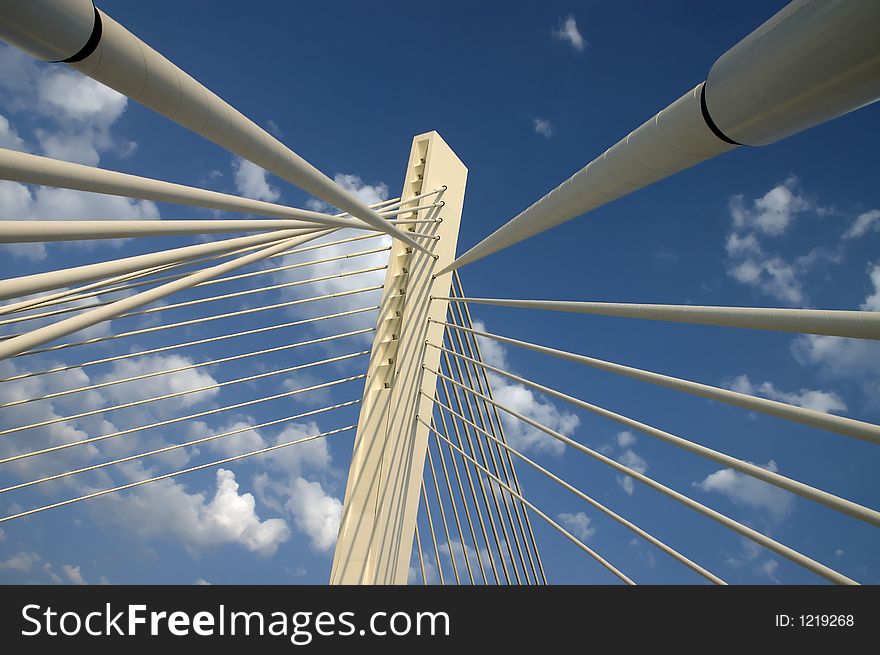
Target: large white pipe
(28, 340)
(41, 231)
(115, 57)
(34, 169)
(37, 282)
(813, 61)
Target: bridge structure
(433, 485)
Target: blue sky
(525, 98)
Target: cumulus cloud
(21, 202)
(872, 302)
(568, 32)
(820, 401)
(165, 508)
(869, 221)
(75, 117)
(579, 524)
(8, 136)
(744, 490)
(315, 512)
(543, 127)
(637, 463)
(251, 181)
(21, 562)
(73, 574)
(519, 434)
(772, 215)
(851, 361)
(354, 184)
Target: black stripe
(91, 45)
(710, 123)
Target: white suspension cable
(226, 278)
(165, 476)
(602, 508)
(188, 367)
(185, 392)
(580, 544)
(27, 341)
(202, 319)
(178, 419)
(823, 420)
(165, 449)
(185, 344)
(837, 503)
(832, 322)
(127, 287)
(745, 531)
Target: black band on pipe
(710, 123)
(91, 44)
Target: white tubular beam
(761, 539)
(106, 286)
(29, 340)
(130, 485)
(822, 420)
(382, 492)
(28, 284)
(165, 449)
(42, 231)
(811, 62)
(86, 291)
(831, 322)
(35, 169)
(809, 492)
(177, 419)
(221, 280)
(115, 57)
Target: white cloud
(21, 202)
(864, 223)
(251, 182)
(54, 577)
(159, 385)
(76, 116)
(579, 524)
(872, 302)
(637, 463)
(21, 562)
(747, 491)
(166, 509)
(767, 568)
(820, 401)
(73, 574)
(315, 512)
(568, 32)
(773, 212)
(543, 127)
(625, 438)
(8, 136)
(519, 434)
(769, 216)
(201, 583)
(368, 193)
(847, 360)
(354, 184)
